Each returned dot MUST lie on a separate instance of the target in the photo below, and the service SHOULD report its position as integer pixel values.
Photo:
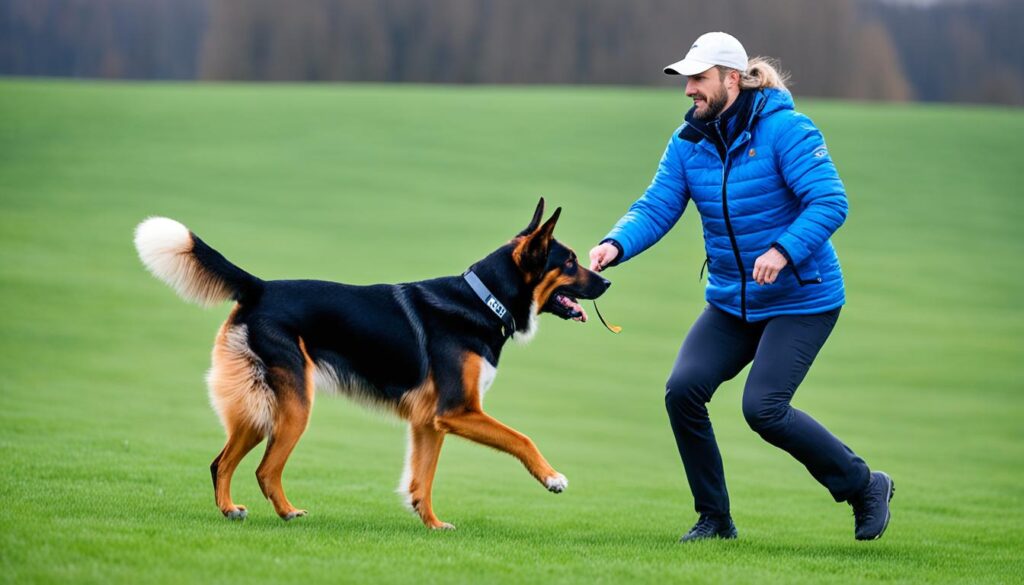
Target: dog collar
(491, 301)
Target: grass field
(106, 435)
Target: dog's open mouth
(566, 307)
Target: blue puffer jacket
(777, 186)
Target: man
(769, 198)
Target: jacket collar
(763, 102)
(733, 121)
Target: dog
(426, 351)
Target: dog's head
(557, 278)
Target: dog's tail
(197, 272)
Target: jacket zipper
(725, 205)
(728, 225)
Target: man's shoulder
(786, 122)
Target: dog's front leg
(421, 462)
(481, 428)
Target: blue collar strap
(491, 301)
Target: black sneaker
(871, 506)
(711, 527)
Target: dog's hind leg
(241, 440)
(292, 418)
(295, 402)
(245, 404)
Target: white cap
(713, 48)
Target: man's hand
(602, 255)
(766, 267)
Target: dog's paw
(236, 513)
(556, 483)
(293, 514)
(441, 526)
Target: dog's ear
(533, 251)
(547, 230)
(537, 215)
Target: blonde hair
(761, 72)
(764, 72)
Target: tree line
(854, 49)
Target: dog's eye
(570, 262)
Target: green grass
(106, 434)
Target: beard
(714, 105)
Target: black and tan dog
(425, 350)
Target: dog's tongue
(574, 306)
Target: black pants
(782, 349)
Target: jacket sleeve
(810, 174)
(654, 213)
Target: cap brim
(688, 67)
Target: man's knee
(764, 417)
(688, 389)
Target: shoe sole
(891, 490)
(714, 537)
(727, 536)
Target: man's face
(708, 92)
